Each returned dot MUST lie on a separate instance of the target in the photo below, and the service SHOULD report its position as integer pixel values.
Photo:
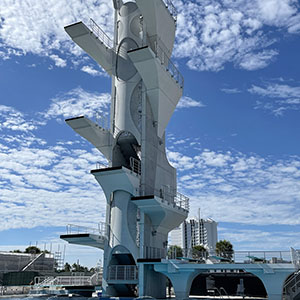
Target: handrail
(163, 54)
(123, 272)
(77, 229)
(100, 34)
(237, 257)
(170, 6)
(135, 165)
(172, 196)
(154, 252)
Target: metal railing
(172, 196)
(163, 54)
(295, 257)
(100, 34)
(102, 229)
(182, 201)
(237, 257)
(123, 272)
(75, 280)
(135, 165)
(292, 286)
(153, 252)
(171, 8)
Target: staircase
(291, 289)
(32, 261)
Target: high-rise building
(195, 231)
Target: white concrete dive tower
(140, 185)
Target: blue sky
(234, 138)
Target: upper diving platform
(93, 41)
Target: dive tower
(143, 204)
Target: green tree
(79, 268)
(224, 249)
(199, 252)
(175, 251)
(16, 251)
(33, 250)
(67, 267)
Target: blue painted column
(181, 281)
(273, 282)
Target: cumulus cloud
(44, 185)
(261, 190)
(90, 70)
(38, 26)
(59, 62)
(277, 97)
(211, 33)
(14, 120)
(255, 61)
(187, 102)
(78, 102)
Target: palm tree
(224, 249)
(175, 251)
(199, 252)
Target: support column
(273, 282)
(182, 283)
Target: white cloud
(187, 102)
(231, 90)
(254, 61)
(90, 70)
(14, 120)
(59, 62)
(211, 33)
(78, 102)
(261, 239)
(38, 26)
(240, 188)
(285, 97)
(48, 186)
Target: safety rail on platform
(135, 165)
(102, 229)
(123, 272)
(100, 34)
(172, 10)
(182, 201)
(237, 257)
(163, 54)
(153, 252)
(172, 196)
(74, 280)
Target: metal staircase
(32, 261)
(291, 289)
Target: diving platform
(101, 138)
(94, 41)
(117, 178)
(165, 215)
(85, 236)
